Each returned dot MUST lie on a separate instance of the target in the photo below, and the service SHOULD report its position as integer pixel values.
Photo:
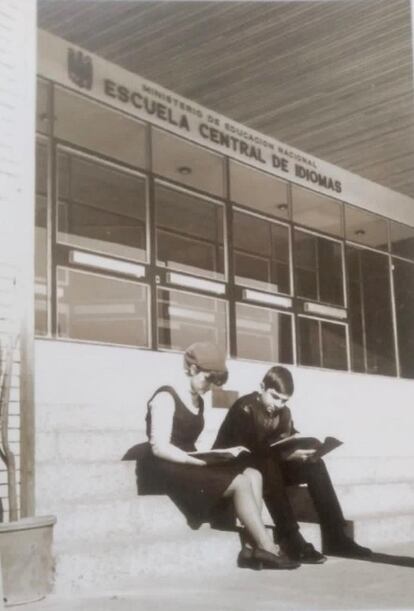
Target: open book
(212, 457)
(289, 445)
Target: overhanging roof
(331, 78)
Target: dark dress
(197, 490)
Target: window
(261, 253)
(404, 304)
(184, 318)
(41, 284)
(402, 240)
(371, 328)
(318, 268)
(187, 163)
(101, 207)
(98, 308)
(99, 129)
(366, 228)
(42, 107)
(115, 174)
(322, 343)
(258, 190)
(316, 211)
(189, 233)
(263, 334)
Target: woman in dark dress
(174, 422)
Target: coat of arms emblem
(80, 68)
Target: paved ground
(386, 583)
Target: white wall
(90, 387)
(17, 110)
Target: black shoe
(259, 559)
(307, 554)
(346, 548)
(296, 548)
(244, 559)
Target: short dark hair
(280, 379)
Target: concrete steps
(369, 469)
(106, 534)
(384, 528)
(107, 482)
(106, 564)
(158, 516)
(154, 516)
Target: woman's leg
(256, 480)
(241, 491)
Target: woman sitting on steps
(174, 422)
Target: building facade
(159, 223)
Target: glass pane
(318, 268)
(333, 346)
(42, 107)
(366, 228)
(184, 318)
(258, 190)
(322, 344)
(101, 208)
(331, 288)
(102, 309)
(310, 352)
(261, 253)
(402, 240)
(41, 240)
(189, 233)
(404, 303)
(316, 211)
(263, 334)
(99, 129)
(355, 311)
(41, 168)
(370, 313)
(187, 163)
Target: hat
(206, 356)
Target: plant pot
(26, 558)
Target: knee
(242, 483)
(254, 476)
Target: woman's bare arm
(162, 413)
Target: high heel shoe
(259, 559)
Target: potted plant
(25, 543)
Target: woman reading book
(262, 422)
(174, 422)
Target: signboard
(97, 78)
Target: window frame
(347, 342)
(244, 283)
(341, 243)
(394, 328)
(197, 294)
(289, 313)
(155, 276)
(108, 276)
(164, 269)
(108, 164)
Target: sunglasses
(218, 378)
